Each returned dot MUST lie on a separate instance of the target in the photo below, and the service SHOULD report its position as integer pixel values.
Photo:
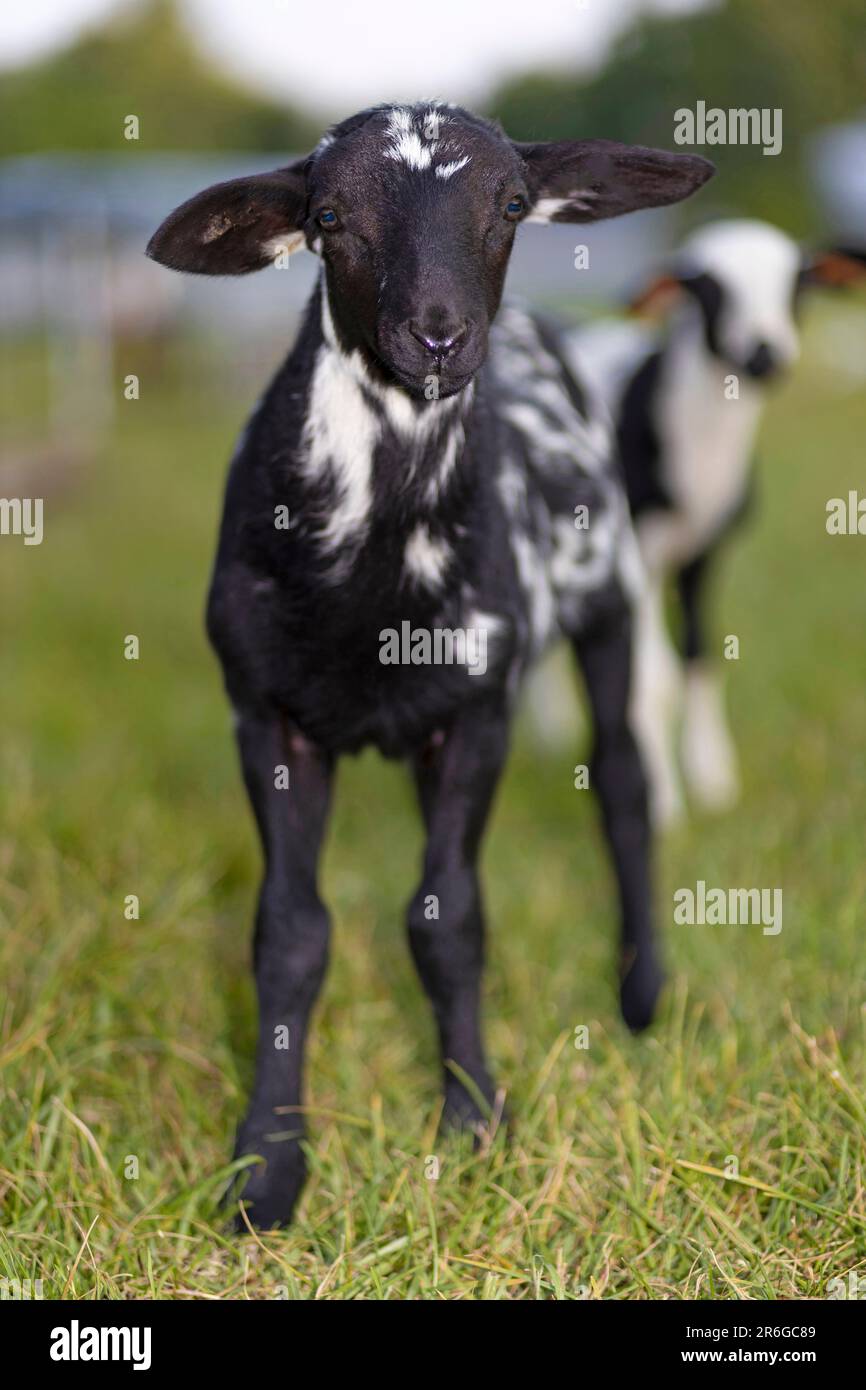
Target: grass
(128, 1040)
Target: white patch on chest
(339, 438)
(349, 414)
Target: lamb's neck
(383, 457)
(708, 424)
(703, 388)
(396, 449)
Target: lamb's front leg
(289, 782)
(456, 782)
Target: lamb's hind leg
(709, 755)
(456, 782)
(617, 775)
(291, 949)
(656, 704)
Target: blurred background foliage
(144, 59)
(809, 59)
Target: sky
(341, 54)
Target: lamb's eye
(515, 209)
(328, 219)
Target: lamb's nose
(763, 361)
(440, 344)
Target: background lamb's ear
(587, 180)
(836, 268)
(235, 227)
(657, 296)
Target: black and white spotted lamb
(446, 479)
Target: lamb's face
(745, 277)
(413, 210)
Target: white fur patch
(426, 558)
(283, 245)
(478, 621)
(402, 414)
(415, 138)
(545, 209)
(534, 577)
(404, 142)
(451, 449)
(340, 435)
(445, 171)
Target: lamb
(687, 400)
(433, 465)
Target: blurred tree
(806, 58)
(143, 62)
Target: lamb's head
(413, 210)
(743, 280)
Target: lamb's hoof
(272, 1188)
(463, 1115)
(639, 990)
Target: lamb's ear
(586, 180)
(656, 297)
(235, 227)
(836, 268)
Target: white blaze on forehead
(405, 142)
(432, 121)
(444, 171)
(414, 137)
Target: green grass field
(123, 1039)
